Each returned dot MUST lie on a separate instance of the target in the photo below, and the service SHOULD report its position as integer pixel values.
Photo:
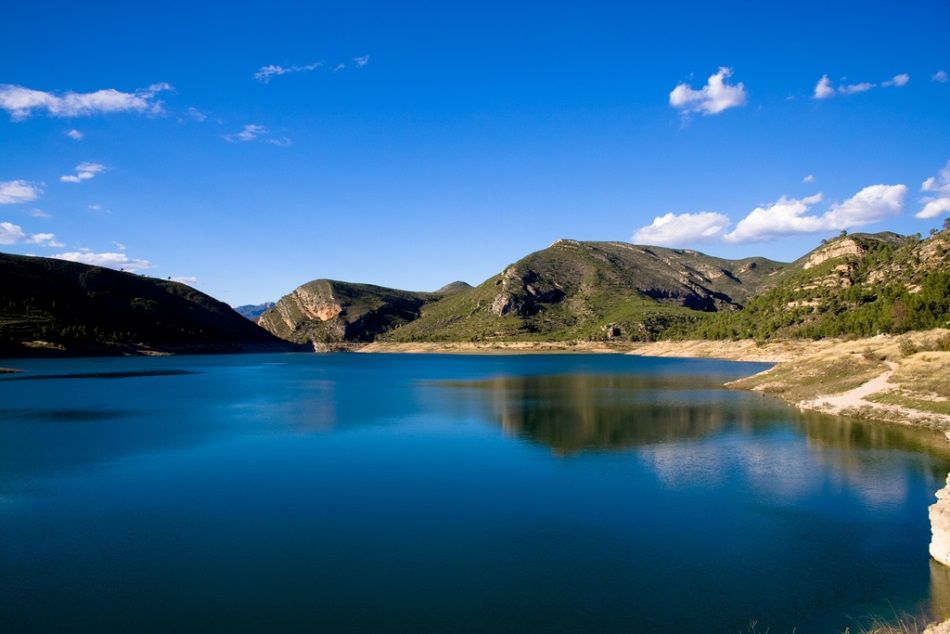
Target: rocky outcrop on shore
(940, 526)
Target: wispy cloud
(249, 132)
(339, 67)
(255, 132)
(825, 89)
(936, 199)
(897, 80)
(265, 73)
(715, 97)
(119, 261)
(940, 76)
(196, 115)
(18, 191)
(361, 61)
(84, 172)
(14, 234)
(809, 179)
(74, 134)
(39, 213)
(21, 102)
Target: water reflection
(571, 413)
(576, 412)
(689, 430)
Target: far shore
(902, 379)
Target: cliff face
(329, 313)
(52, 307)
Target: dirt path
(855, 402)
(852, 399)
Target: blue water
(404, 493)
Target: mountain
(252, 311)
(329, 313)
(859, 284)
(591, 290)
(54, 307)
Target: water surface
(418, 493)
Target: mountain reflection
(576, 412)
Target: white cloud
(74, 134)
(84, 171)
(280, 141)
(119, 245)
(339, 67)
(897, 80)
(264, 73)
(250, 132)
(809, 179)
(10, 233)
(716, 96)
(784, 216)
(870, 205)
(938, 199)
(680, 229)
(361, 61)
(853, 89)
(788, 216)
(185, 279)
(44, 239)
(940, 76)
(21, 102)
(109, 260)
(823, 88)
(13, 234)
(18, 191)
(38, 213)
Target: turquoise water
(404, 493)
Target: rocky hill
(591, 290)
(53, 307)
(860, 284)
(329, 314)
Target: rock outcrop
(329, 314)
(940, 526)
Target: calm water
(363, 493)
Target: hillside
(53, 307)
(591, 290)
(329, 313)
(860, 284)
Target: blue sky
(456, 138)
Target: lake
(449, 493)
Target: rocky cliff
(329, 314)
